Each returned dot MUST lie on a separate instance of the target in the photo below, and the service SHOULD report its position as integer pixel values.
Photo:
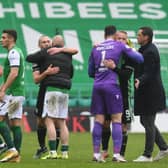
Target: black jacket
(60, 80)
(150, 96)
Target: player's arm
(124, 72)
(10, 79)
(111, 65)
(14, 61)
(91, 67)
(1, 70)
(55, 50)
(38, 77)
(36, 57)
(132, 53)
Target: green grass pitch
(80, 154)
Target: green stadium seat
(84, 102)
(25, 103)
(166, 102)
(32, 102)
(73, 102)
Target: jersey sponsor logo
(102, 69)
(109, 47)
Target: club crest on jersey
(117, 96)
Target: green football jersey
(15, 58)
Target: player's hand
(2, 95)
(1, 71)
(109, 64)
(137, 82)
(54, 50)
(52, 70)
(95, 44)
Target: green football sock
(17, 137)
(5, 132)
(1, 141)
(52, 145)
(64, 148)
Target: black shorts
(126, 116)
(107, 117)
(40, 101)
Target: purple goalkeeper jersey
(109, 49)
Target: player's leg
(126, 121)
(14, 108)
(15, 120)
(124, 139)
(41, 128)
(48, 113)
(117, 137)
(61, 118)
(41, 132)
(41, 135)
(57, 138)
(106, 132)
(3, 146)
(50, 124)
(5, 133)
(97, 136)
(15, 125)
(64, 135)
(115, 108)
(98, 110)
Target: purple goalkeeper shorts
(106, 99)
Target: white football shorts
(12, 105)
(55, 104)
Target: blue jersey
(109, 49)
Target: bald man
(43, 42)
(55, 109)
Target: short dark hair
(147, 31)
(109, 30)
(11, 32)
